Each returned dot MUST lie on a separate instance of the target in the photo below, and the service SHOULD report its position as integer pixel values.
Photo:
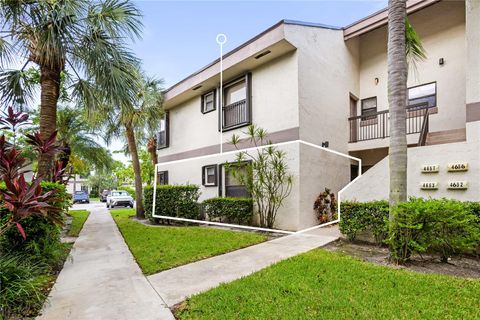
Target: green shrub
(364, 216)
(43, 237)
(229, 210)
(22, 287)
(173, 201)
(439, 226)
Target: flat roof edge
(311, 24)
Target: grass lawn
(161, 248)
(79, 218)
(326, 285)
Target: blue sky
(179, 36)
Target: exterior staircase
(448, 136)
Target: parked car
(81, 197)
(119, 198)
(104, 195)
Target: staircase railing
(377, 125)
(422, 139)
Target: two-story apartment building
(318, 83)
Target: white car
(118, 198)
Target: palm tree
(134, 120)
(152, 149)
(76, 139)
(403, 44)
(81, 39)
(397, 97)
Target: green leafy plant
(440, 226)
(326, 206)
(264, 174)
(229, 210)
(173, 201)
(22, 287)
(364, 217)
(22, 199)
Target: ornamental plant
(325, 206)
(263, 172)
(20, 198)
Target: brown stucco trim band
(276, 137)
(473, 112)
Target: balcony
(377, 125)
(235, 115)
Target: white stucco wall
(442, 30)
(274, 108)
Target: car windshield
(79, 192)
(120, 194)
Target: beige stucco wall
(327, 73)
(473, 50)
(190, 172)
(374, 184)
(319, 169)
(274, 108)
(442, 30)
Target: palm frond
(413, 45)
(16, 89)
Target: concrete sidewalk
(102, 280)
(175, 285)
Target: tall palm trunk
(397, 97)
(132, 147)
(50, 88)
(152, 150)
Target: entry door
(353, 123)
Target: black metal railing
(235, 114)
(377, 125)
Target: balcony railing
(377, 125)
(235, 115)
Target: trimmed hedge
(357, 217)
(173, 201)
(442, 226)
(229, 210)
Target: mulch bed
(460, 266)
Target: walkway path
(102, 280)
(175, 285)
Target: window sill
(241, 125)
(205, 112)
(210, 185)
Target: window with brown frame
(369, 108)
(236, 110)
(232, 187)
(424, 95)
(162, 177)
(209, 175)
(163, 138)
(208, 102)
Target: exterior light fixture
(376, 81)
(441, 61)
(197, 87)
(325, 144)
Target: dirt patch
(460, 266)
